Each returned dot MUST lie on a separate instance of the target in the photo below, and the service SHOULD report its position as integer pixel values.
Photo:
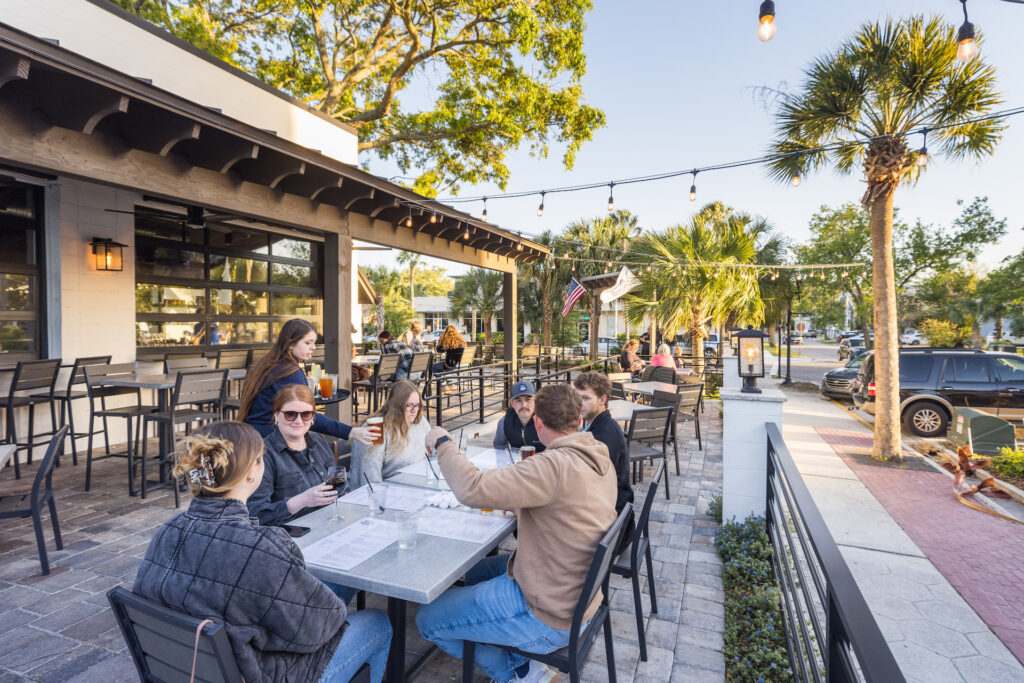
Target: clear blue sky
(676, 81)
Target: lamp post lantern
(733, 330)
(751, 358)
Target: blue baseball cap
(523, 389)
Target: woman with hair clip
(281, 367)
(405, 429)
(212, 562)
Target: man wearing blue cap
(515, 428)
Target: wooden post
(338, 316)
(510, 320)
(595, 320)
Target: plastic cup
(408, 528)
(327, 386)
(378, 499)
(433, 471)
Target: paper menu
(399, 497)
(472, 527)
(349, 547)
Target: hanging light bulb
(531, 3)
(433, 217)
(845, 272)
(540, 209)
(484, 215)
(611, 196)
(821, 275)
(922, 154)
(795, 180)
(766, 21)
(693, 188)
(465, 235)
(967, 46)
(799, 276)
(408, 221)
(608, 265)
(519, 244)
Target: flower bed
(754, 637)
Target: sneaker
(538, 673)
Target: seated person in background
(360, 373)
(564, 499)
(452, 343)
(593, 388)
(404, 431)
(413, 337)
(664, 357)
(212, 562)
(388, 344)
(516, 428)
(629, 361)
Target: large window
(20, 273)
(435, 322)
(220, 284)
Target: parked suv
(935, 381)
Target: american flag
(576, 291)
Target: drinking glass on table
(408, 527)
(327, 386)
(338, 478)
(433, 472)
(376, 422)
(378, 496)
(526, 452)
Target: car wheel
(916, 342)
(925, 418)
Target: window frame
(38, 317)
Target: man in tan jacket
(565, 502)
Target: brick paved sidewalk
(980, 555)
(60, 628)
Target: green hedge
(754, 637)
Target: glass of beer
(338, 478)
(327, 386)
(376, 422)
(526, 452)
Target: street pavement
(820, 358)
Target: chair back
(256, 355)
(173, 355)
(172, 366)
(649, 425)
(467, 356)
(77, 375)
(689, 379)
(421, 362)
(645, 376)
(597, 579)
(199, 386)
(162, 640)
(96, 375)
(689, 397)
(30, 375)
(618, 391)
(620, 377)
(665, 399)
(233, 359)
(643, 530)
(388, 365)
(663, 373)
(44, 475)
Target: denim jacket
(287, 473)
(211, 561)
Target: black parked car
(935, 381)
(838, 383)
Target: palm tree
(386, 282)
(683, 289)
(411, 259)
(479, 291)
(540, 283)
(887, 80)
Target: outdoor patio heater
(750, 343)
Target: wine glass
(338, 478)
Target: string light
(922, 154)
(433, 217)
(465, 235)
(540, 209)
(766, 21)
(484, 215)
(519, 244)
(408, 221)
(795, 181)
(611, 196)
(846, 273)
(966, 45)
(693, 187)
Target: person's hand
(313, 497)
(364, 435)
(433, 435)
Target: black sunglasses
(290, 415)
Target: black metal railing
(468, 394)
(830, 631)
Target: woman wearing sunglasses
(405, 432)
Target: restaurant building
(154, 198)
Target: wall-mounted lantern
(751, 358)
(108, 254)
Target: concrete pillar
(745, 446)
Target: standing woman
(405, 431)
(211, 561)
(279, 368)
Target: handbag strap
(195, 650)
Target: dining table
(648, 388)
(622, 410)
(362, 552)
(365, 360)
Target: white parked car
(913, 338)
(606, 346)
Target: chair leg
(53, 520)
(675, 449)
(143, 459)
(640, 630)
(37, 524)
(667, 496)
(468, 660)
(88, 452)
(609, 649)
(12, 437)
(696, 424)
(361, 600)
(71, 432)
(650, 581)
(31, 430)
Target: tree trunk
(999, 325)
(887, 442)
(412, 288)
(697, 349)
(379, 305)
(545, 301)
(487, 330)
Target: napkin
(444, 499)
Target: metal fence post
(437, 395)
(481, 394)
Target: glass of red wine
(338, 478)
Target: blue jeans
(343, 592)
(489, 609)
(367, 639)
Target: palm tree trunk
(379, 305)
(412, 287)
(545, 301)
(487, 330)
(999, 325)
(887, 442)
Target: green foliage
(1009, 464)
(744, 539)
(432, 282)
(945, 334)
(715, 508)
(495, 74)
(479, 291)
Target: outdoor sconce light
(733, 330)
(751, 358)
(109, 254)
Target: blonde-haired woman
(211, 561)
(405, 431)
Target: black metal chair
(421, 363)
(649, 427)
(691, 405)
(628, 564)
(570, 659)
(173, 366)
(382, 378)
(30, 376)
(69, 394)
(256, 355)
(670, 399)
(95, 378)
(31, 504)
(195, 388)
(662, 373)
(618, 392)
(232, 359)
